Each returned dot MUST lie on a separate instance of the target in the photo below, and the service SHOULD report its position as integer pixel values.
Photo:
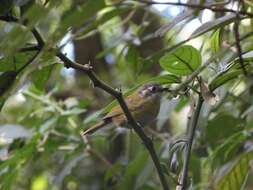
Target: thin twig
(190, 138)
(197, 6)
(237, 43)
(33, 59)
(30, 48)
(9, 18)
(38, 37)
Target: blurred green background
(44, 105)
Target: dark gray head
(150, 89)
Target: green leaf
(6, 81)
(18, 34)
(21, 154)
(14, 40)
(195, 168)
(215, 41)
(231, 73)
(206, 27)
(2, 101)
(35, 14)
(101, 20)
(41, 76)
(82, 13)
(14, 63)
(8, 179)
(222, 21)
(6, 64)
(73, 111)
(183, 61)
(220, 128)
(228, 150)
(163, 79)
(133, 170)
(224, 78)
(132, 58)
(236, 174)
(109, 176)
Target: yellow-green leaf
(183, 61)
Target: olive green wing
(133, 104)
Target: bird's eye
(152, 88)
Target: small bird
(144, 105)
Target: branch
(30, 48)
(33, 59)
(237, 43)
(198, 6)
(190, 138)
(87, 69)
(9, 18)
(38, 37)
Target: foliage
(45, 103)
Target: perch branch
(237, 44)
(87, 69)
(190, 138)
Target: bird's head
(150, 89)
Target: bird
(144, 105)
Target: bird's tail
(94, 128)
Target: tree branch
(237, 44)
(33, 59)
(198, 6)
(190, 138)
(38, 37)
(30, 48)
(87, 69)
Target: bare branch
(237, 43)
(190, 138)
(30, 48)
(198, 6)
(118, 95)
